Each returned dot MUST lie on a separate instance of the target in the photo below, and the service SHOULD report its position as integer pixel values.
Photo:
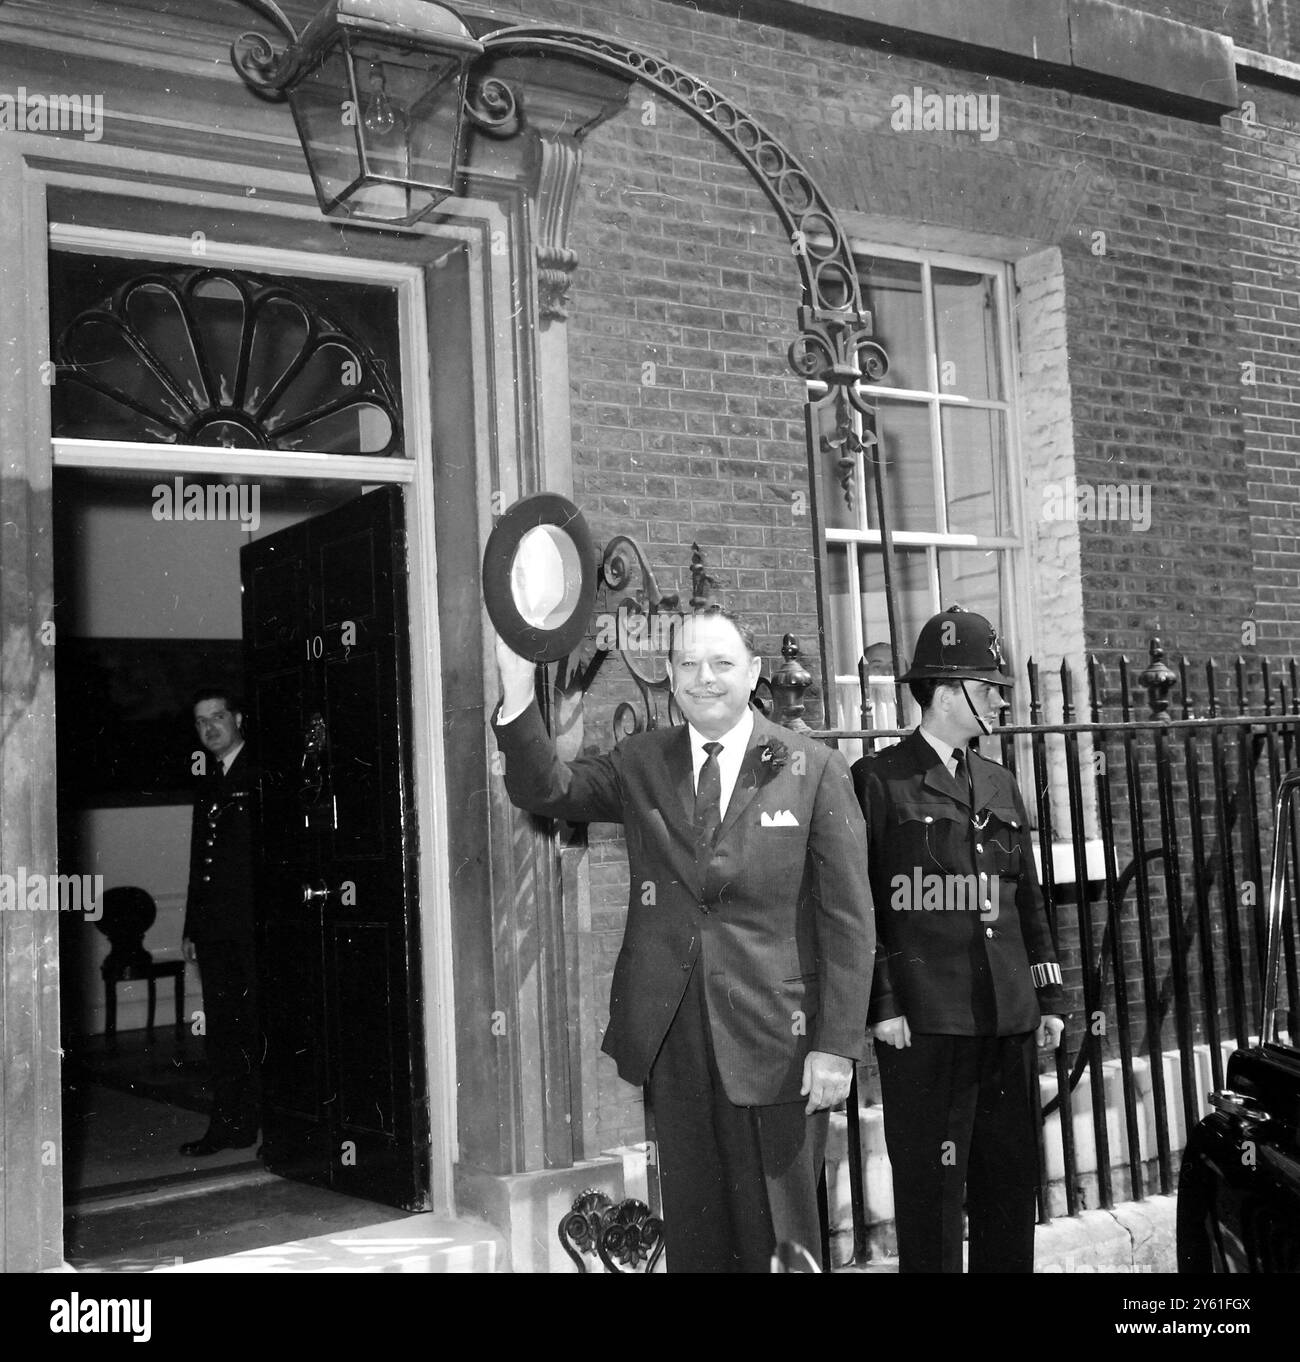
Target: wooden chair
(128, 913)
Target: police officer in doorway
(967, 988)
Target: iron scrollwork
(493, 107)
(638, 626)
(263, 69)
(158, 349)
(625, 1237)
(644, 626)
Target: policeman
(967, 987)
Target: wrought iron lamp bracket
(493, 107)
(263, 69)
(838, 351)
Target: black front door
(345, 1102)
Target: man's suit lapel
(750, 777)
(677, 758)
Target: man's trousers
(228, 971)
(959, 1127)
(734, 1180)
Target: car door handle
(1238, 1106)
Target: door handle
(1237, 1106)
(312, 896)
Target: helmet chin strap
(979, 718)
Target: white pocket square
(783, 818)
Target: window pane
(913, 604)
(965, 328)
(844, 642)
(903, 429)
(844, 610)
(973, 579)
(161, 352)
(974, 470)
(892, 292)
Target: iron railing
(1152, 833)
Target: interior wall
(125, 574)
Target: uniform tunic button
(928, 818)
(988, 931)
(988, 903)
(979, 846)
(984, 874)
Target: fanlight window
(212, 357)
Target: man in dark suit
(219, 922)
(740, 991)
(965, 965)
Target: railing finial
(1158, 679)
(789, 686)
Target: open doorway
(282, 385)
(150, 608)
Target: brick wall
(1261, 155)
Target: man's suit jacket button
(206, 878)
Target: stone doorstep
(526, 1208)
(415, 1243)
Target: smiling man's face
(713, 674)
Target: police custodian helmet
(958, 645)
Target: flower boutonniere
(774, 756)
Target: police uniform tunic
(965, 954)
(219, 919)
